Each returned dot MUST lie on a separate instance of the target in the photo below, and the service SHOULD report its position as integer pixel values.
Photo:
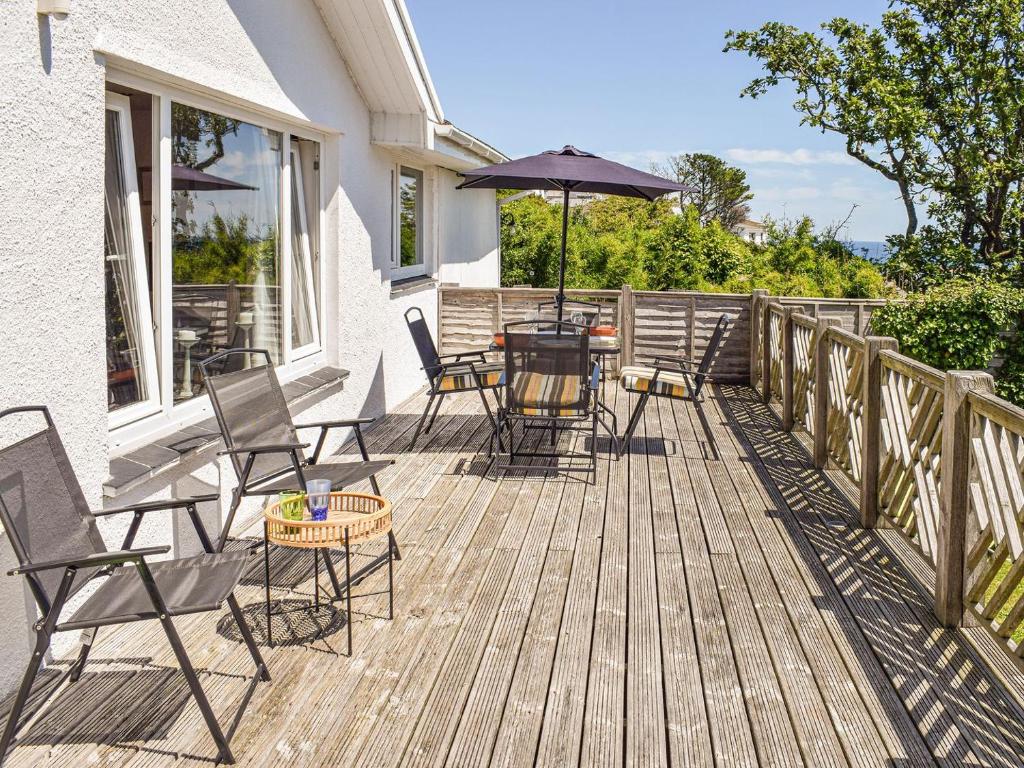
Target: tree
(721, 192)
(932, 99)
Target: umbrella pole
(560, 298)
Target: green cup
(293, 507)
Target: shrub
(959, 325)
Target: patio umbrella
(570, 170)
(185, 178)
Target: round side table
(352, 518)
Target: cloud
(642, 158)
(788, 157)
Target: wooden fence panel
(911, 449)
(774, 331)
(681, 323)
(804, 379)
(846, 379)
(995, 536)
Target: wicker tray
(364, 515)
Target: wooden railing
(934, 455)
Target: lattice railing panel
(845, 406)
(775, 350)
(804, 340)
(995, 551)
(911, 447)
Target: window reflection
(225, 191)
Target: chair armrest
(673, 359)
(95, 560)
(152, 506)
(337, 423)
(258, 449)
(458, 355)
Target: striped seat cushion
(544, 394)
(457, 379)
(637, 378)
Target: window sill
(409, 285)
(144, 463)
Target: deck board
(707, 601)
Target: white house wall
(273, 56)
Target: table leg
(316, 579)
(391, 581)
(266, 580)
(348, 593)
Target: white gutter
(472, 143)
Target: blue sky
(637, 81)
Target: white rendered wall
(272, 55)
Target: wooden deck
(709, 601)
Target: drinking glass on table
(319, 493)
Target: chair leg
(83, 654)
(197, 690)
(42, 643)
(593, 447)
(634, 419)
(348, 592)
(433, 416)
(423, 419)
(250, 643)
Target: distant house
(751, 231)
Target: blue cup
(319, 494)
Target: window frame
(296, 180)
(399, 272)
(295, 361)
(120, 104)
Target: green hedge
(960, 325)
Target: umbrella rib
(470, 182)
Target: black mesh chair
(59, 550)
(446, 374)
(264, 447)
(673, 376)
(551, 383)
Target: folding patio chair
(589, 311)
(551, 383)
(672, 376)
(447, 374)
(59, 550)
(264, 447)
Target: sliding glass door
(132, 389)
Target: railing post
(955, 462)
(821, 385)
(757, 298)
(871, 426)
(766, 352)
(788, 368)
(627, 310)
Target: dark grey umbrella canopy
(571, 169)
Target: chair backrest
(712, 349)
(43, 509)
(424, 342)
(546, 370)
(251, 410)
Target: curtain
(124, 359)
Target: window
(132, 388)
(408, 259)
(229, 255)
(225, 195)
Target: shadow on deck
(707, 600)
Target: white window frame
(300, 195)
(167, 416)
(121, 105)
(398, 272)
